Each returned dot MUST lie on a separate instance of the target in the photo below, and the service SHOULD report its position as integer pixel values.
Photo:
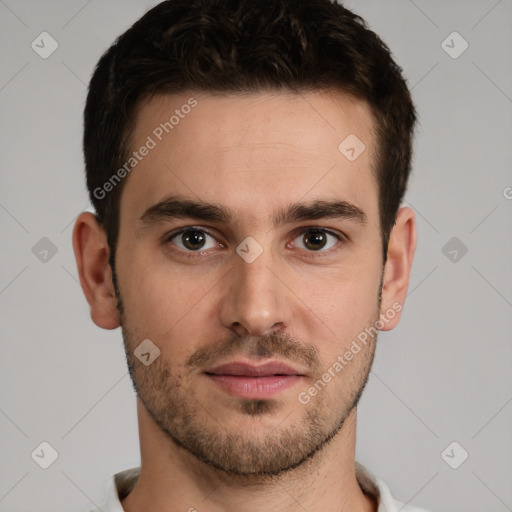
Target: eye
(193, 240)
(316, 240)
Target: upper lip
(242, 369)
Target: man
(247, 160)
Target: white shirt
(121, 484)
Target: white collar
(121, 484)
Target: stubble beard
(195, 427)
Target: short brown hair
(245, 46)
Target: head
(246, 231)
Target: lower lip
(254, 387)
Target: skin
(254, 154)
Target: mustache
(280, 344)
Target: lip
(241, 369)
(254, 382)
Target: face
(250, 256)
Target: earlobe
(91, 253)
(401, 247)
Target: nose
(255, 301)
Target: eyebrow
(175, 207)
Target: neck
(172, 479)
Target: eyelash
(309, 229)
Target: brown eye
(193, 240)
(316, 240)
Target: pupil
(193, 240)
(315, 241)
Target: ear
(91, 254)
(401, 247)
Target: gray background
(443, 375)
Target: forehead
(252, 151)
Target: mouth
(254, 382)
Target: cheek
(344, 305)
(163, 303)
